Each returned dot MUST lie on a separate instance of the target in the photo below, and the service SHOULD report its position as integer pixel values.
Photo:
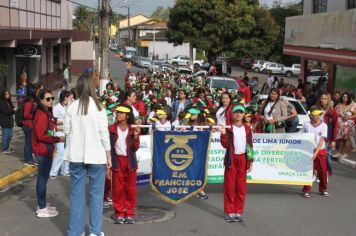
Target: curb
(346, 162)
(10, 179)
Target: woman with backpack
(43, 144)
(27, 121)
(7, 111)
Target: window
(320, 6)
(351, 4)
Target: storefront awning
(335, 56)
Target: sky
(146, 7)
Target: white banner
(279, 159)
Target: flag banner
(279, 159)
(179, 164)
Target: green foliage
(83, 18)
(3, 72)
(210, 25)
(161, 13)
(279, 13)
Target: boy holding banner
(236, 141)
(125, 141)
(320, 131)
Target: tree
(261, 40)
(82, 20)
(279, 13)
(161, 13)
(212, 25)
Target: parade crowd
(89, 135)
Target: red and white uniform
(236, 165)
(320, 162)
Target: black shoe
(202, 196)
(238, 218)
(119, 220)
(230, 218)
(129, 221)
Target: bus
(129, 52)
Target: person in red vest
(125, 141)
(235, 140)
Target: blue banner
(179, 169)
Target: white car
(273, 68)
(264, 66)
(292, 71)
(303, 115)
(216, 82)
(314, 75)
(185, 71)
(201, 73)
(154, 66)
(257, 65)
(185, 60)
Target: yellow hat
(123, 109)
(187, 116)
(161, 112)
(317, 112)
(206, 111)
(153, 119)
(211, 120)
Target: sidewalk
(12, 168)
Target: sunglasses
(48, 99)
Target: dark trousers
(28, 144)
(44, 167)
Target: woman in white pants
(65, 98)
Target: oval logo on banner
(27, 51)
(179, 155)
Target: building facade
(325, 33)
(37, 35)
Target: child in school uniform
(125, 141)
(320, 131)
(235, 139)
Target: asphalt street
(118, 72)
(270, 210)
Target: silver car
(216, 82)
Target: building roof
(134, 20)
(160, 36)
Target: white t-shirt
(169, 101)
(239, 139)
(319, 131)
(135, 112)
(270, 81)
(132, 79)
(59, 112)
(120, 146)
(167, 126)
(221, 116)
(267, 110)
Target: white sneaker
(101, 234)
(45, 213)
(337, 154)
(50, 208)
(344, 156)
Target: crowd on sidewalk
(86, 135)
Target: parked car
(303, 115)
(314, 75)
(113, 47)
(134, 60)
(294, 70)
(216, 82)
(184, 60)
(201, 73)
(246, 63)
(257, 65)
(144, 62)
(219, 67)
(273, 68)
(155, 64)
(185, 71)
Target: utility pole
(99, 37)
(128, 25)
(105, 20)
